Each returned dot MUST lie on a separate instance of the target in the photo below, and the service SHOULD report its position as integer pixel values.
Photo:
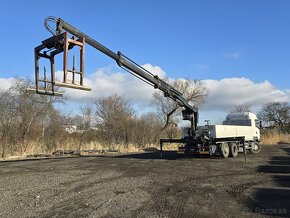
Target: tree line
(35, 122)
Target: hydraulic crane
(238, 132)
(60, 42)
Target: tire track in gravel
(187, 189)
(171, 199)
(237, 191)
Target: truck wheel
(225, 150)
(256, 149)
(234, 149)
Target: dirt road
(142, 185)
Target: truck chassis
(225, 147)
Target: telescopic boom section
(189, 113)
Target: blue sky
(201, 39)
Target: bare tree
(22, 116)
(87, 115)
(276, 113)
(78, 121)
(8, 122)
(148, 129)
(30, 108)
(242, 108)
(114, 116)
(84, 121)
(84, 124)
(194, 91)
(55, 131)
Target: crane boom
(129, 64)
(190, 112)
(60, 42)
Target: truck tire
(225, 150)
(257, 148)
(234, 149)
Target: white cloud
(156, 70)
(228, 92)
(104, 82)
(224, 94)
(233, 55)
(5, 83)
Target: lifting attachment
(71, 78)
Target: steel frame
(48, 50)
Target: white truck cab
(246, 124)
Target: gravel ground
(143, 185)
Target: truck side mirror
(258, 124)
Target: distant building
(70, 128)
(74, 129)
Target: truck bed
(226, 131)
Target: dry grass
(34, 148)
(273, 138)
(112, 147)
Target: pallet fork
(51, 47)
